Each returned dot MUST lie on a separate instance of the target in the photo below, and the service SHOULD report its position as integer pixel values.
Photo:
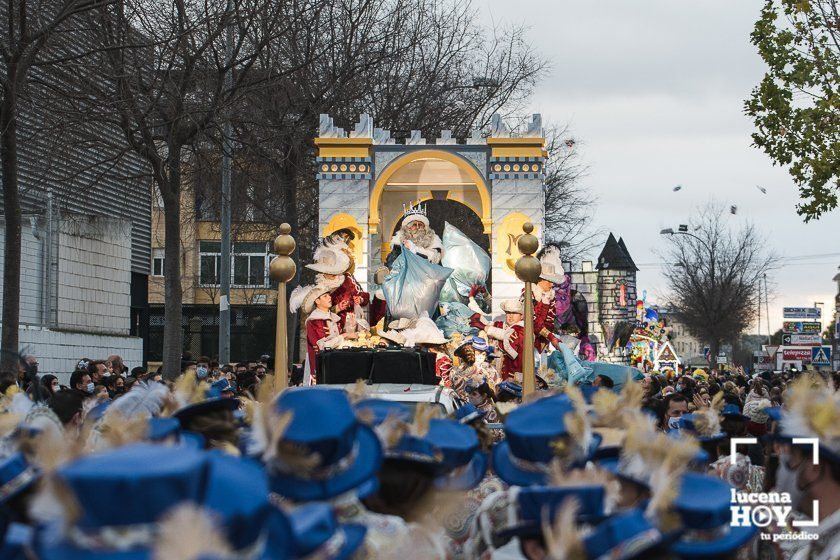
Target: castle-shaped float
(367, 179)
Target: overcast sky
(653, 91)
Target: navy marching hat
(624, 536)
(703, 504)
(325, 451)
(213, 401)
(468, 413)
(122, 494)
(535, 434)
(381, 409)
(511, 387)
(538, 503)
(462, 454)
(16, 475)
(317, 534)
(237, 492)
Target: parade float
(649, 345)
(427, 232)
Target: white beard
(424, 238)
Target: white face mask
(90, 387)
(673, 423)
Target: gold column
(528, 270)
(281, 270)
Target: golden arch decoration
(508, 232)
(458, 161)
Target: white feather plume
(145, 399)
(21, 404)
(298, 295)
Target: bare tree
(412, 64)
(162, 70)
(568, 204)
(713, 275)
(28, 30)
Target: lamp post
(528, 270)
(224, 226)
(819, 305)
(670, 231)
(281, 270)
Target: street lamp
(478, 83)
(683, 230)
(819, 305)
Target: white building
(85, 240)
(687, 347)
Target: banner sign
(821, 356)
(801, 340)
(801, 354)
(763, 363)
(801, 327)
(802, 313)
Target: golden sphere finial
(284, 244)
(528, 267)
(282, 268)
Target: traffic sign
(792, 354)
(821, 356)
(802, 313)
(801, 327)
(801, 340)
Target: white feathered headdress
(330, 259)
(303, 297)
(552, 264)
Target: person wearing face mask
(50, 386)
(674, 406)
(81, 381)
(201, 372)
(813, 411)
(202, 368)
(119, 387)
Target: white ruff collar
(325, 315)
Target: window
(209, 255)
(157, 262)
(249, 262)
